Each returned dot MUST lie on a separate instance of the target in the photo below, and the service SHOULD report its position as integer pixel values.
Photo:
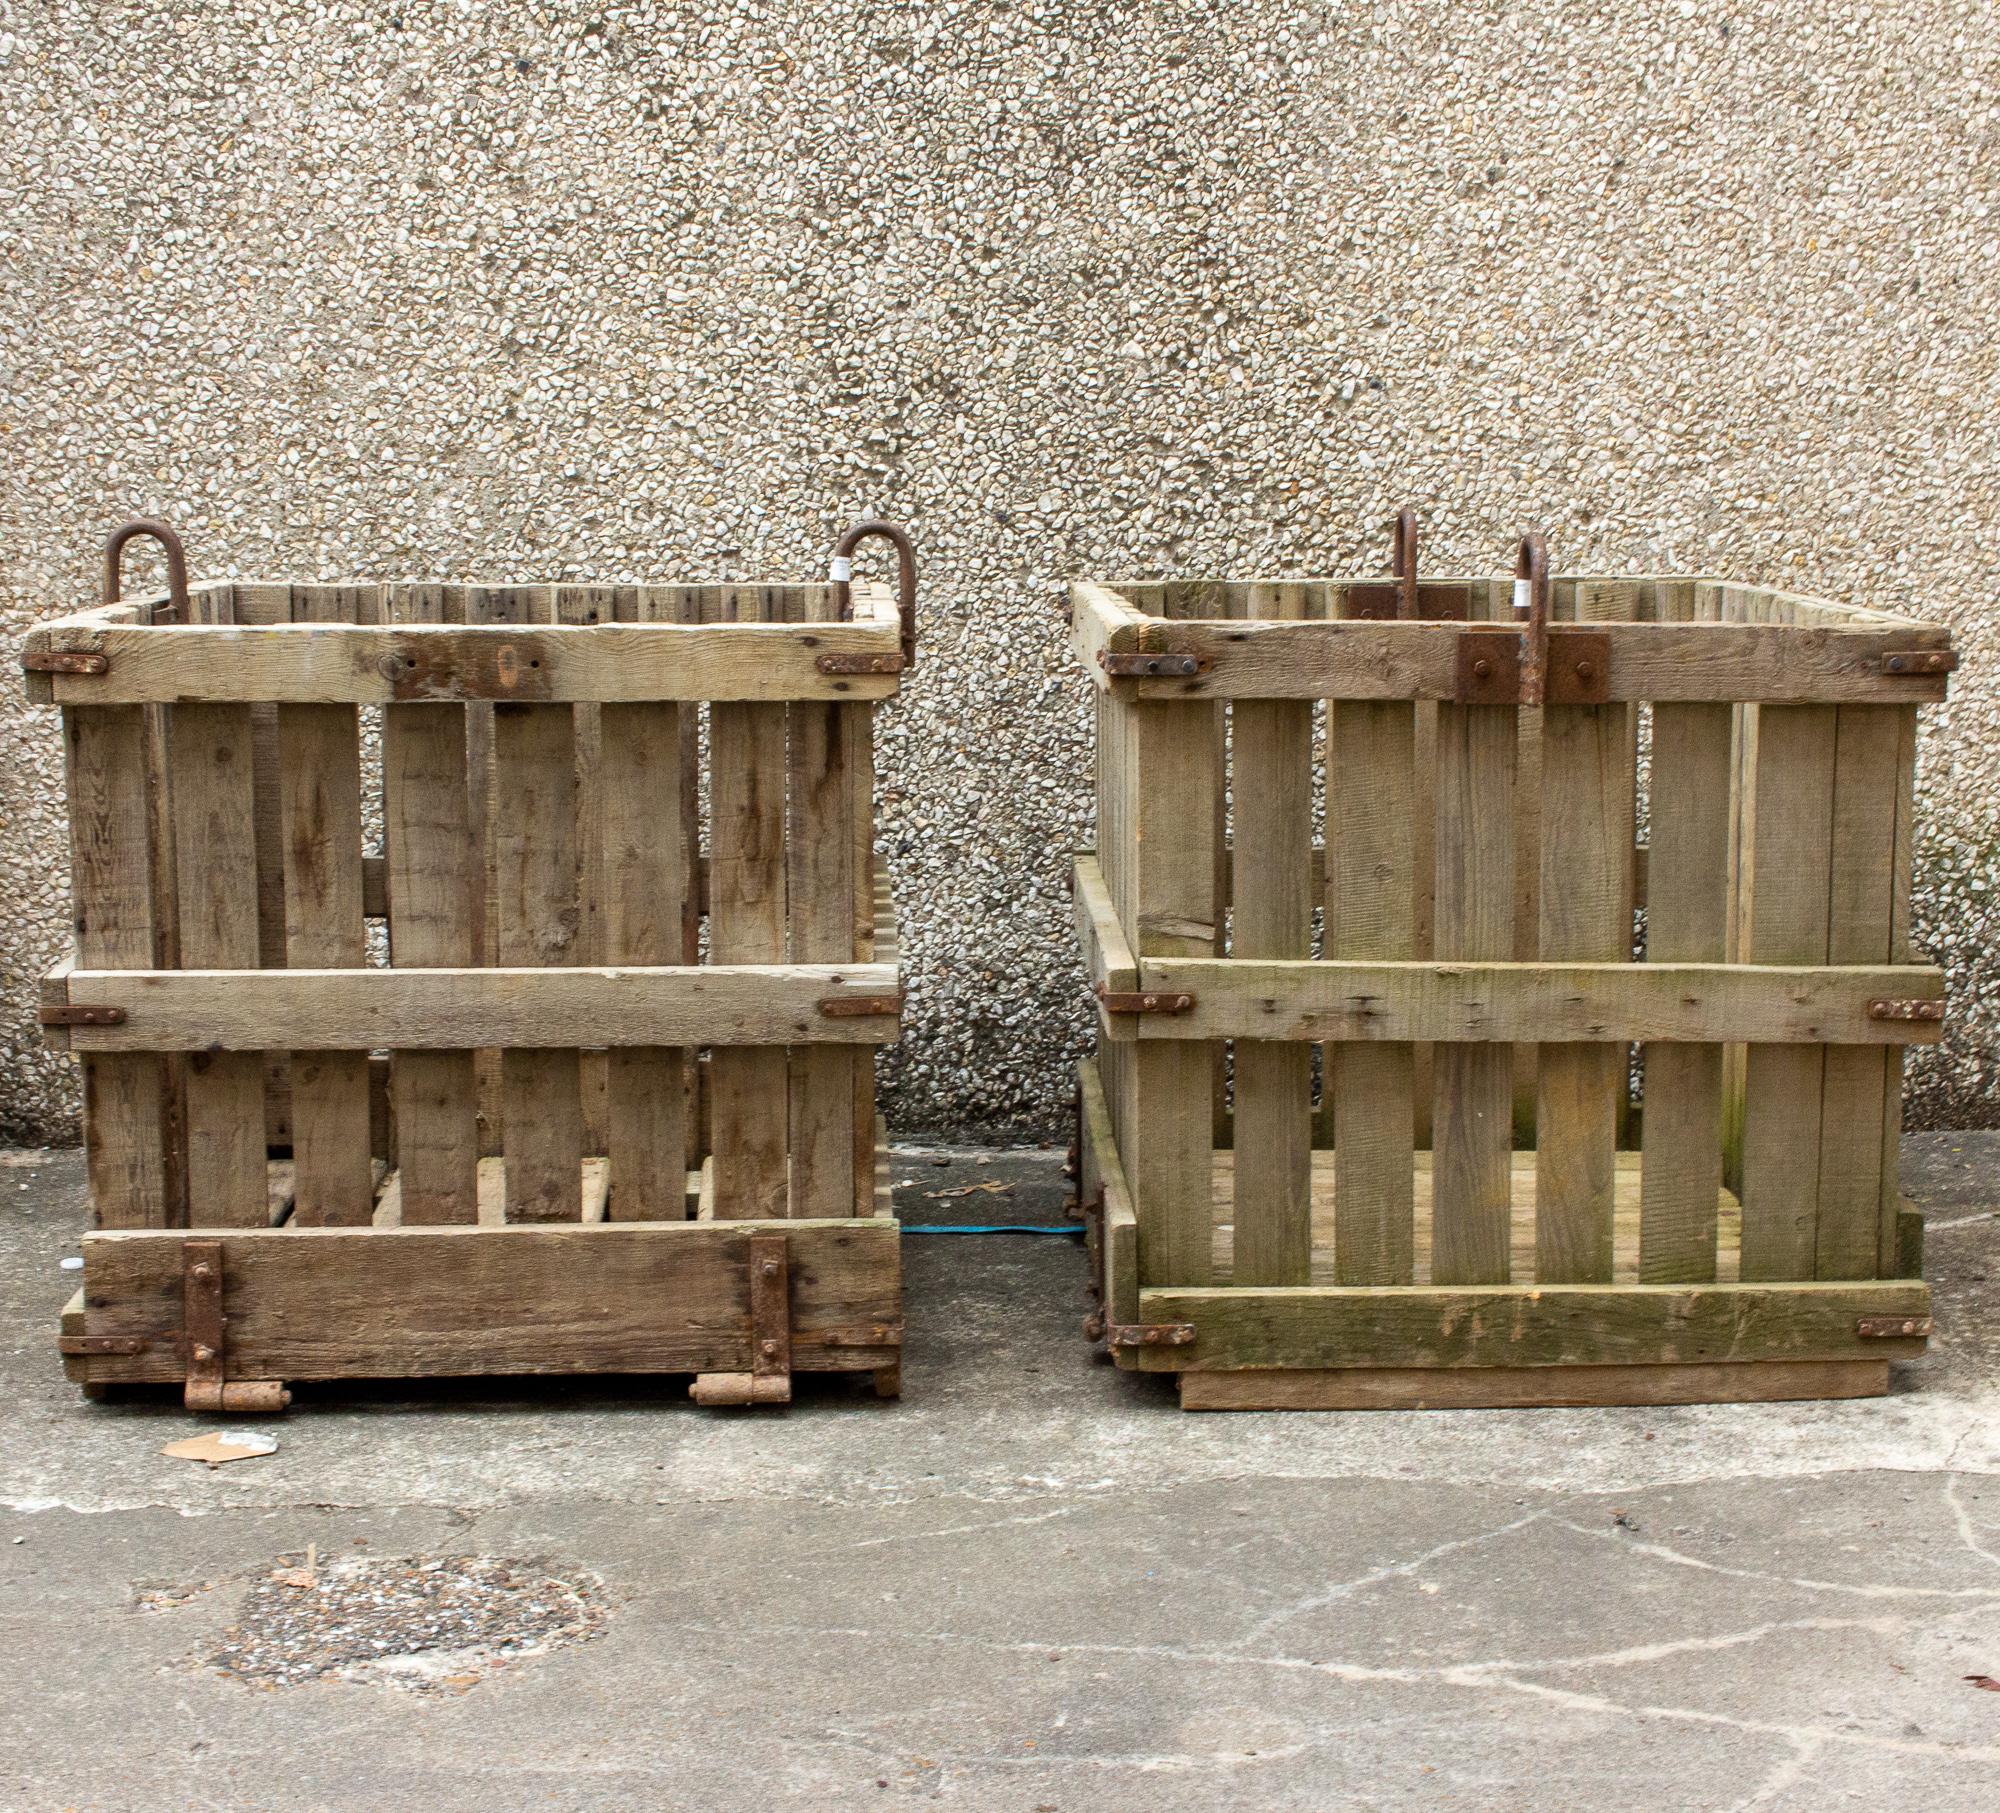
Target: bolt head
(1482, 670)
(767, 1348)
(1585, 669)
(204, 1271)
(770, 1268)
(203, 1352)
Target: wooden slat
(320, 797)
(370, 664)
(215, 832)
(1687, 911)
(1369, 914)
(1791, 877)
(1660, 662)
(1472, 1118)
(266, 604)
(111, 887)
(1271, 916)
(191, 1010)
(536, 855)
(748, 1090)
(1531, 1324)
(648, 878)
(822, 796)
(433, 884)
(1118, 1224)
(584, 606)
(1858, 1095)
(1586, 830)
(427, 1302)
(1525, 1387)
(1170, 861)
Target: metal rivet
(202, 1271)
(1584, 670)
(1482, 669)
(770, 1268)
(767, 1348)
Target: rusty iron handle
(1531, 603)
(1403, 563)
(177, 573)
(906, 576)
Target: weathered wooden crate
(1395, 895)
(571, 1072)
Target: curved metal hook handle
(1531, 604)
(145, 527)
(1403, 563)
(906, 576)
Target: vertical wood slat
(111, 885)
(647, 878)
(535, 858)
(823, 799)
(212, 764)
(1890, 1257)
(1271, 916)
(319, 751)
(748, 1088)
(269, 604)
(1370, 912)
(1472, 1119)
(1586, 837)
(1791, 872)
(1169, 856)
(583, 605)
(1687, 921)
(1861, 1092)
(434, 884)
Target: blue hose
(1074, 1232)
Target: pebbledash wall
(591, 292)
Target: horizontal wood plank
(1546, 1002)
(329, 1303)
(409, 663)
(1364, 659)
(455, 1009)
(1528, 1325)
(1526, 1387)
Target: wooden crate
(478, 979)
(1380, 942)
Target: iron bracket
(1892, 1328)
(64, 661)
(1920, 663)
(1133, 665)
(1489, 667)
(1578, 670)
(860, 1007)
(208, 1388)
(89, 1344)
(1931, 1011)
(769, 1380)
(1142, 1001)
(860, 664)
(74, 1015)
(1099, 1327)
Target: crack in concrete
(1375, 1576)
(1505, 1674)
(1660, 1551)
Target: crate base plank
(305, 1304)
(1531, 1387)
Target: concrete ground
(1033, 1585)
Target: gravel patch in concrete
(430, 1624)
